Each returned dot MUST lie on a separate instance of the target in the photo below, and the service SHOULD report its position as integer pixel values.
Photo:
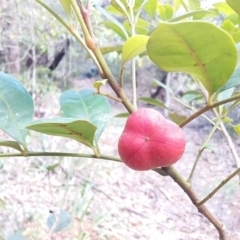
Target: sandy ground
(109, 201)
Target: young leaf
(133, 47)
(234, 80)
(66, 4)
(79, 130)
(165, 11)
(86, 106)
(59, 221)
(185, 47)
(16, 107)
(99, 84)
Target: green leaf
(194, 14)
(99, 84)
(185, 47)
(109, 49)
(113, 20)
(133, 47)
(194, 4)
(156, 83)
(234, 80)
(86, 106)
(66, 4)
(153, 102)
(190, 96)
(228, 26)
(59, 221)
(142, 26)
(79, 130)
(236, 36)
(150, 7)
(16, 107)
(122, 115)
(165, 11)
(121, 6)
(51, 168)
(224, 8)
(235, 5)
(237, 129)
(177, 118)
(118, 30)
(11, 144)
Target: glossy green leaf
(79, 130)
(150, 7)
(185, 47)
(235, 5)
(16, 107)
(11, 144)
(66, 4)
(59, 221)
(86, 106)
(133, 47)
(153, 102)
(234, 80)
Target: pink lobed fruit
(149, 140)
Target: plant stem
(61, 154)
(202, 149)
(207, 108)
(172, 172)
(219, 186)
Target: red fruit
(149, 141)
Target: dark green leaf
(210, 58)
(58, 221)
(86, 106)
(16, 107)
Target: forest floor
(107, 200)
